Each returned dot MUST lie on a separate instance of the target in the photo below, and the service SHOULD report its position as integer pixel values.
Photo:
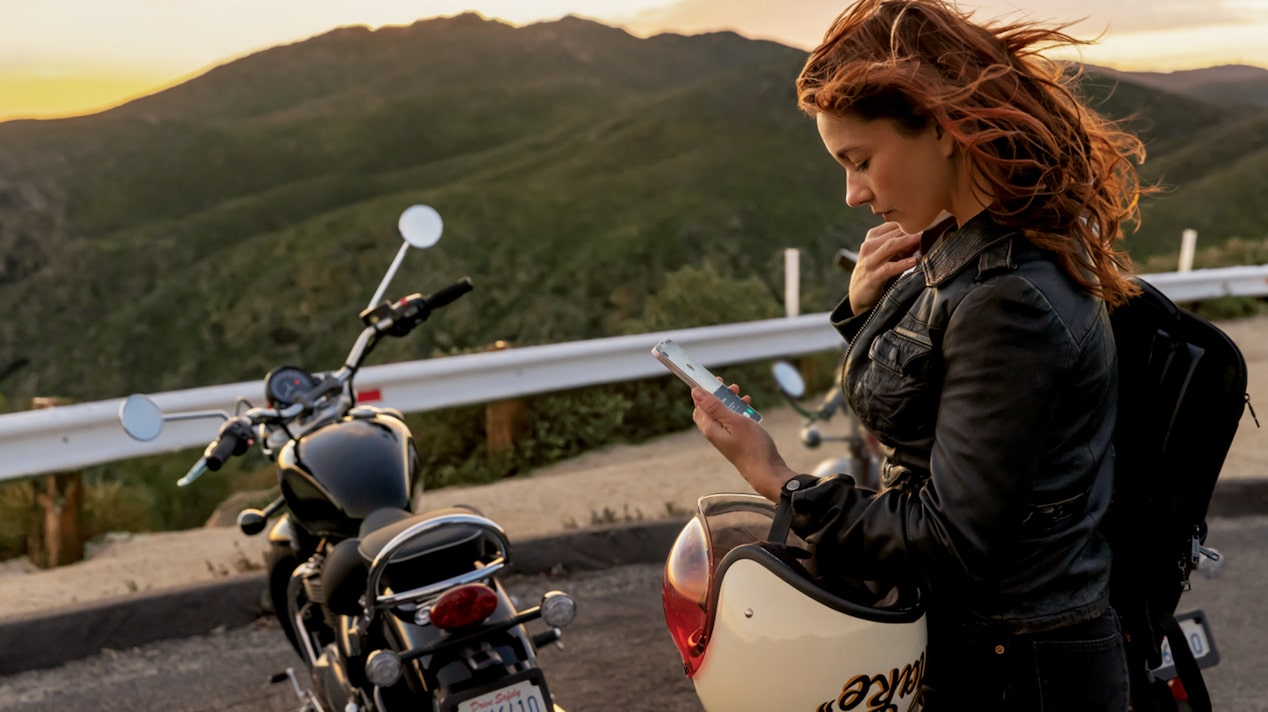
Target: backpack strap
(1187, 667)
(782, 522)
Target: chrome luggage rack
(379, 600)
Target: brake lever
(198, 470)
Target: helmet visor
(722, 523)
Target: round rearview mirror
(421, 226)
(141, 417)
(788, 378)
(252, 521)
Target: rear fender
(446, 669)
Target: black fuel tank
(333, 477)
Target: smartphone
(693, 373)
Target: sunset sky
(66, 57)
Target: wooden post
(808, 366)
(55, 535)
(505, 421)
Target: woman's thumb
(707, 402)
(701, 398)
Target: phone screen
(694, 373)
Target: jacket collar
(955, 249)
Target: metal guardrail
(75, 436)
(1196, 285)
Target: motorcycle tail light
(464, 606)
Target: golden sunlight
(48, 97)
(51, 69)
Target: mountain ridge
(237, 221)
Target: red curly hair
(1055, 169)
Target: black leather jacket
(990, 379)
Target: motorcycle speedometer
(283, 385)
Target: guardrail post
(505, 421)
(792, 282)
(1188, 246)
(55, 534)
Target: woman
(980, 352)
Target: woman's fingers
(886, 252)
(896, 247)
(878, 236)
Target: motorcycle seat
(382, 525)
(431, 557)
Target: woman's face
(909, 180)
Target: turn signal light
(464, 606)
(383, 668)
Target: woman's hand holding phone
(695, 374)
(728, 421)
(742, 441)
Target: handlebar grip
(413, 310)
(233, 439)
(451, 293)
(220, 450)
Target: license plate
(1198, 632)
(523, 696)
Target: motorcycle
(387, 608)
(863, 457)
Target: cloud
(1122, 16)
(802, 22)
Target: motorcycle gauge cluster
(284, 384)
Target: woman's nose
(857, 191)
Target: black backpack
(1182, 391)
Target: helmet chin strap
(782, 522)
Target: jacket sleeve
(1003, 353)
(845, 321)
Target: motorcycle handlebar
(409, 312)
(450, 294)
(234, 439)
(218, 451)
(417, 308)
(235, 436)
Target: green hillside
(1234, 86)
(241, 220)
(1216, 184)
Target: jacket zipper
(868, 321)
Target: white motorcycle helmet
(758, 631)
